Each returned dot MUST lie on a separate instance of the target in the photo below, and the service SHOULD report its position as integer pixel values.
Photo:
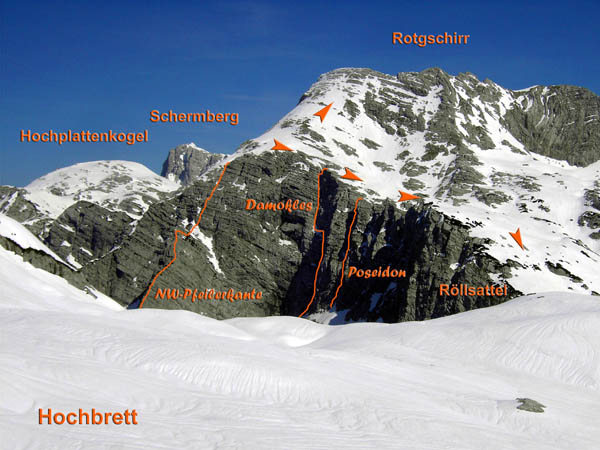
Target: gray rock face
(530, 405)
(276, 252)
(426, 131)
(558, 121)
(87, 232)
(591, 217)
(41, 260)
(14, 204)
(186, 163)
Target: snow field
(106, 183)
(553, 235)
(284, 382)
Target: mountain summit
(484, 161)
(186, 163)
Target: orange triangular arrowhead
(517, 237)
(349, 175)
(279, 146)
(407, 196)
(322, 113)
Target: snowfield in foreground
(288, 383)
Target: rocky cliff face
(558, 121)
(186, 163)
(277, 252)
(483, 160)
(85, 232)
(45, 262)
(82, 211)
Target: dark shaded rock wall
(276, 252)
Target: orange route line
(184, 234)
(346, 255)
(322, 241)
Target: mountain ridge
(463, 145)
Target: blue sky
(80, 65)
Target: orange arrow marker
(407, 196)
(323, 112)
(517, 237)
(349, 175)
(279, 146)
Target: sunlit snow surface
(551, 235)
(13, 230)
(106, 183)
(288, 383)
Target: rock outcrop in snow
(484, 160)
(187, 163)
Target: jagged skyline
(256, 59)
(481, 160)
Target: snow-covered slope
(471, 149)
(463, 159)
(287, 383)
(13, 230)
(115, 185)
(28, 288)
(83, 211)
